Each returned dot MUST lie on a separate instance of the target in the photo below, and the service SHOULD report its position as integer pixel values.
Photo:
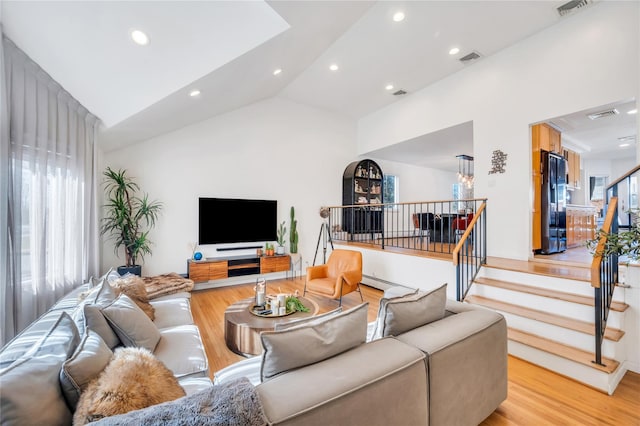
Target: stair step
(558, 270)
(562, 350)
(554, 294)
(546, 317)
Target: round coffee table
(242, 328)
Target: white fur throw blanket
(234, 404)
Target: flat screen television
(229, 220)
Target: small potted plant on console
(282, 230)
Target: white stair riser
(553, 283)
(580, 372)
(554, 306)
(586, 342)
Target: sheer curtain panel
(49, 183)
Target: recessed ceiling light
(633, 111)
(389, 87)
(454, 51)
(139, 37)
(278, 71)
(398, 16)
(333, 67)
(194, 93)
(624, 145)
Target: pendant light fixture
(465, 170)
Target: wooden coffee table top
(242, 328)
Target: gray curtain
(49, 182)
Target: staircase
(550, 317)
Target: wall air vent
(399, 93)
(471, 57)
(605, 113)
(572, 6)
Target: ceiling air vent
(630, 138)
(572, 6)
(399, 93)
(470, 57)
(605, 113)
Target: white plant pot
(280, 250)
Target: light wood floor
(536, 396)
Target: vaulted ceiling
(229, 50)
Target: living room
(280, 148)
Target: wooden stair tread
(554, 294)
(546, 317)
(569, 352)
(558, 269)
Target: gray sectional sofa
(449, 371)
(425, 361)
(39, 399)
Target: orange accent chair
(339, 276)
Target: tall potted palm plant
(128, 218)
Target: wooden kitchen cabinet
(543, 138)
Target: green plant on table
(295, 305)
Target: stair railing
(604, 275)
(470, 252)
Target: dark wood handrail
(597, 256)
(467, 232)
(623, 177)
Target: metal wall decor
(498, 162)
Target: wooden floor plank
(562, 350)
(612, 334)
(553, 294)
(532, 389)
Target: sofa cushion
(307, 320)
(91, 357)
(182, 351)
(133, 286)
(401, 314)
(193, 385)
(172, 312)
(90, 316)
(378, 383)
(101, 293)
(30, 393)
(312, 342)
(134, 379)
(133, 327)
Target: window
(390, 189)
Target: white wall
(588, 59)
(274, 149)
(419, 183)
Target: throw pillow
(303, 321)
(90, 316)
(134, 379)
(312, 342)
(86, 363)
(390, 293)
(133, 286)
(133, 327)
(30, 393)
(101, 292)
(402, 314)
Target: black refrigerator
(554, 201)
